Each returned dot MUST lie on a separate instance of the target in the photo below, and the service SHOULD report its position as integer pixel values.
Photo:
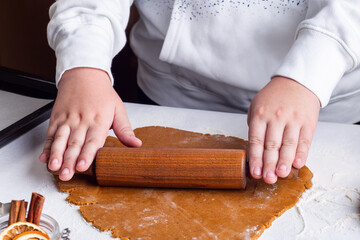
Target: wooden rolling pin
(170, 168)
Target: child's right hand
(85, 109)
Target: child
(280, 60)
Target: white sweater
(217, 54)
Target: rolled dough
(132, 213)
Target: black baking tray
(31, 86)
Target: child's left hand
(282, 119)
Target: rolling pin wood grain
(171, 168)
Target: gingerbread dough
(132, 213)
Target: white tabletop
(329, 210)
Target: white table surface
(329, 210)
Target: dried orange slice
(15, 229)
(32, 235)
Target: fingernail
(81, 163)
(257, 171)
(270, 174)
(136, 139)
(65, 171)
(54, 162)
(282, 167)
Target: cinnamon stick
(14, 211)
(22, 212)
(35, 209)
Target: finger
(74, 146)
(273, 137)
(95, 139)
(50, 134)
(123, 130)
(58, 147)
(302, 151)
(288, 150)
(257, 131)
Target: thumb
(122, 128)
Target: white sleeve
(327, 45)
(87, 33)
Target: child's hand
(85, 109)
(282, 119)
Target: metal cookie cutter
(66, 234)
